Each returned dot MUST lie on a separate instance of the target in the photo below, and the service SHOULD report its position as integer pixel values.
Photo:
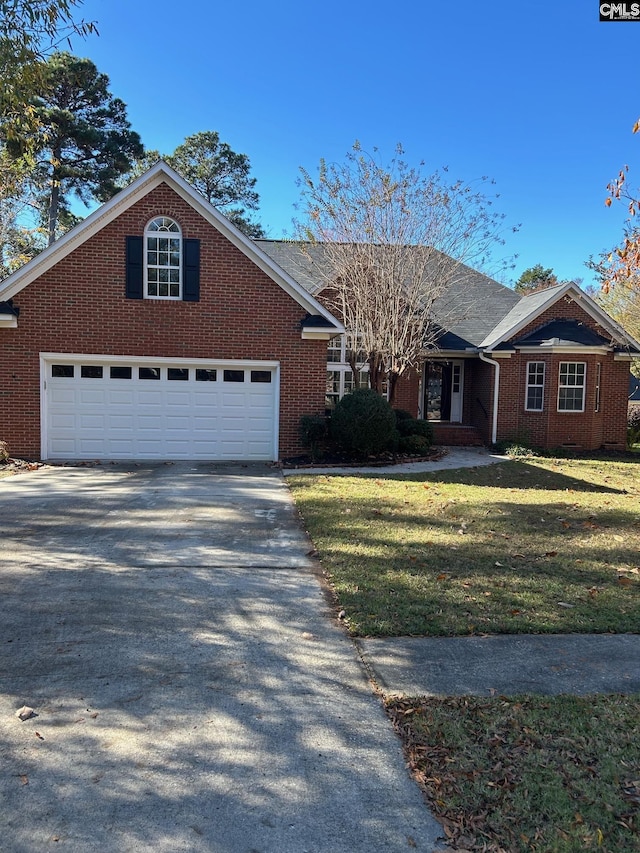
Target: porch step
(459, 435)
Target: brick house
(155, 329)
(550, 369)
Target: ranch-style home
(156, 330)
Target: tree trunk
(54, 198)
(376, 373)
(392, 382)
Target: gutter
(496, 394)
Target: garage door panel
(159, 418)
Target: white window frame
(598, 402)
(566, 386)
(170, 233)
(530, 385)
(338, 346)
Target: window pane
(206, 375)
(62, 370)
(261, 376)
(534, 398)
(178, 374)
(149, 373)
(91, 371)
(234, 375)
(117, 372)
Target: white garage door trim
(268, 451)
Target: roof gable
(531, 307)
(126, 198)
(562, 333)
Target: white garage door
(96, 408)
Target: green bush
(633, 424)
(416, 426)
(417, 445)
(402, 415)
(313, 431)
(4, 451)
(363, 423)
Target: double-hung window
(535, 386)
(571, 386)
(163, 259)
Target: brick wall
(79, 307)
(588, 430)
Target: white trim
(311, 334)
(583, 386)
(46, 358)
(528, 385)
(8, 321)
(500, 354)
(623, 356)
(138, 189)
(575, 349)
(93, 358)
(157, 235)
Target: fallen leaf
(24, 779)
(25, 713)
(623, 581)
(38, 735)
(565, 604)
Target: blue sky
(541, 97)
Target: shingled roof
(467, 312)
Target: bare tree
(392, 242)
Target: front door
(443, 390)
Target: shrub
(4, 451)
(633, 424)
(416, 426)
(402, 415)
(363, 422)
(417, 445)
(313, 431)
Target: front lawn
(546, 774)
(537, 545)
(531, 546)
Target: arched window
(163, 259)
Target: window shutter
(134, 288)
(191, 271)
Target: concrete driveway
(192, 691)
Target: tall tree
(393, 241)
(29, 31)
(20, 240)
(535, 278)
(84, 140)
(221, 175)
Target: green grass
(532, 546)
(551, 775)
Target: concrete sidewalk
(454, 457)
(504, 665)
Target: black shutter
(191, 271)
(134, 289)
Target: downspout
(496, 395)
